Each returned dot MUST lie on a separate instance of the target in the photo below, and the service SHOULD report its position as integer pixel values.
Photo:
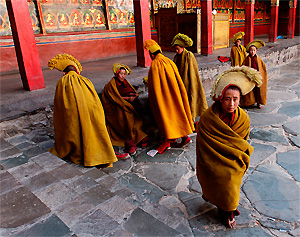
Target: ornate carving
(274, 3)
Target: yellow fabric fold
(79, 123)
(188, 70)
(122, 121)
(258, 94)
(237, 55)
(168, 99)
(223, 156)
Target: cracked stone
(292, 127)
(291, 162)
(269, 136)
(291, 109)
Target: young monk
(78, 117)
(189, 72)
(123, 111)
(238, 52)
(257, 95)
(223, 153)
(168, 99)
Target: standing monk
(257, 95)
(223, 153)
(79, 122)
(189, 72)
(238, 52)
(168, 99)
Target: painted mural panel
(121, 13)
(34, 17)
(4, 20)
(183, 6)
(73, 15)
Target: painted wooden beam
(206, 27)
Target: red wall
(259, 29)
(84, 47)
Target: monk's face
(178, 49)
(122, 75)
(230, 101)
(238, 42)
(252, 51)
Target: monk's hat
(61, 61)
(182, 40)
(117, 66)
(245, 78)
(152, 46)
(237, 36)
(256, 43)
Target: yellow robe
(188, 70)
(79, 123)
(237, 55)
(168, 99)
(258, 94)
(223, 156)
(122, 121)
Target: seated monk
(123, 111)
(223, 153)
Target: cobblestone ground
(42, 195)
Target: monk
(257, 95)
(123, 111)
(168, 99)
(189, 72)
(223, 153)
(78, 117)
(238, 52)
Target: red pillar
(292, 16)
(206, 27)
(249, 21)
(274, 21)
(25, 45)
(142, 31)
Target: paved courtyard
(42, 195)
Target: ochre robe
(237, 55)
(168, 99)
(223, 156)
(122, 121)
(258, 94)
(188, 70)
(79, 123)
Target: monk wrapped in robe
(168, 99)
(223, 153)
(123, 111)
(78, 117)
(238, 52)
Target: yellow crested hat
(117, 66)
(245, 78)
(237, 36)
(151, 45)
(256, 43)
(182, 40)
(61, 61)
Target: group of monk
(87, 128)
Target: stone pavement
(42, 195)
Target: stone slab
(194, 184)
(40, 181)
(4, 144)
(27, 170)
(34, 151)
(140, 223)
(273, 195)
(268, 222)
(81, 183)
(190, 153)
(24, 145)
(14, 161)
(260, 119)
(292, 127)
(7, 182)
(95, 173)
(269, 136)
(19, 207)
(295, 140)
(10, 152)
(142, 187)
(291, 109)
(52, 226)
(117, 208)
(170, 174)
(260, 153)
(280, 96)
(17, 139)
(291, 162)
(245, 232)
(269, 108)
(48, 161)
(169, 156)
(65, 172)
(119, 165)
(96, 224)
